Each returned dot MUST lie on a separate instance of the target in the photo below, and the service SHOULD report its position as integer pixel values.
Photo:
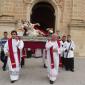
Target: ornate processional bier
(31, 31)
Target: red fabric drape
(60, 60)
(11, 54)
(52, 59)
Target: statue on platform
(27, 28)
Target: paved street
(34, 74)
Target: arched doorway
(43, 13)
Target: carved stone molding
(28, 1)
(77, 23)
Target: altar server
(69, 47)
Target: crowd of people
(56, 49)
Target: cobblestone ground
(34, 74)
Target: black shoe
(22, 66)
(72, 70)
(22, 63)
(51, 82)
(66, 69)
(4, 68)
(45, 66)
(12, 81)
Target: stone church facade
(67, 16)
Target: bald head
(54, 37)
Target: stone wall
(7, 7)
(78, 9)
(77, 26)
(67, 15)
(70, 17)
(77, 31)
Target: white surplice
(68, 46)
(14, 72)
(62, 48)
(44, 58)
(52, 73)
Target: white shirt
(67, 46)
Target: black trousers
(22, 62)
(63, 61)
(69, 63)
(3, 59)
